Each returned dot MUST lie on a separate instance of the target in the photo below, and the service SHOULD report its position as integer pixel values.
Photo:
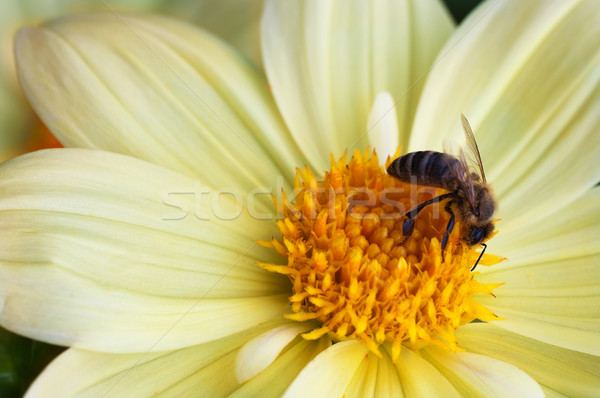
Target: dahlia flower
(151, 245)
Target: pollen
(355, 274)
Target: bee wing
(473, 149)
(461, 172)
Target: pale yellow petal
(111, 210)
(90, 259)
(562, 292)
(552, 278)
(550, 393)
(276, 378)
(420, 379)
(554, 301)
(329, 374)
(382, 126)
(364, 382)
(388, 380)
(262, 350)
(555, 320)
(159, 90)
(327, 60)
(50, 304)
(566, 232)
(526, 76)
(236, 21)
(479, 375)
(571, 373)
(190, 371)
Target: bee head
(479, 233)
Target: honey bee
(470, 197)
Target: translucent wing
(461, 172)
(473, 149)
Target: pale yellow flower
(106, 247)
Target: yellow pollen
(342, 238)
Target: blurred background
(236, 21)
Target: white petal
(90, 259)
(201, 370)
(571, 373)
(382, 126)
(420, 379)
(262, 350)
(329, 374)
(475, 374)
(158, 90)
(327, 60)
(526, 76)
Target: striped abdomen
(426, 168)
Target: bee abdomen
(425, 168)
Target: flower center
(353, 271)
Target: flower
(101, 251)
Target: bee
(470, 197)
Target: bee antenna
(481, 254)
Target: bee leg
(449, 227)
(480, 255)
(409, 224)
(407, 228)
